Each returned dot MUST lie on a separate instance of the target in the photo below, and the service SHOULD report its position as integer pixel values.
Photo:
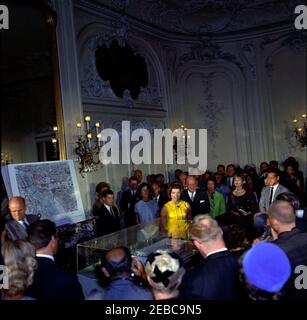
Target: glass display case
(141, 239)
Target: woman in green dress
(216, 199)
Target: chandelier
(300, 130)
(88, 146)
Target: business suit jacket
(162, 201)
(264, 202)
(107, 223)
(15, 231)
(200, 203)
(52, 283)
(294, 244)
(127, 204)
(215, 279)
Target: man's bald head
(117, 261)
(115, 254)
(282, 211)
(17, 207)
(191, 183)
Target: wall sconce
(300, 130)
(55, 140)
(185, 138)
(88, 147)
(6, 158)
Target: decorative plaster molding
(200, 17)
(149, 125)
(211, 112)
(295, 41)
(94, 106)
(127, 99)
(93, 86)
(249, 56)
(208, 51)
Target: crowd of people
(249, 228)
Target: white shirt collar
(300, 213)
(45, 256)
(216, 251)
(22, 222)
(107, 206)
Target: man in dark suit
(281, 219)
(108, 219)
(272, 189)
(50, 282)
(230, 172)
(157, 196)
(259, 182)
(128, 201)
(301, 214)
(216, 278)
(197, 198)
(17, 227)
(117, 266)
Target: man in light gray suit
(272, 189)
(17, 227)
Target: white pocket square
(201, 201)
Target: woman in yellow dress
(176, 213)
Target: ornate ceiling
(205, 16)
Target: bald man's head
(282, 211)
(17, 207)
(117, 261)
(191, 183)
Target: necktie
(112, 212)
(26, 226)
(271, 195)
(192, 196)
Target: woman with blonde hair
(19, 259)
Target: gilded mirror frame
(51, 20)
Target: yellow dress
(177, 223)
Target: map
(50, 189)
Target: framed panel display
(50, 189)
